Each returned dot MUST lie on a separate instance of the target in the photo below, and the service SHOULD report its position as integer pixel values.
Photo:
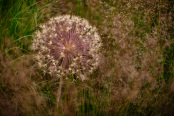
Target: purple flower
(67, 44)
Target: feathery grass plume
(67, 45)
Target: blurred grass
(20, 19)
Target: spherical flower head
(67, 44)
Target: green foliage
(169, 63)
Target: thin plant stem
(59, 91)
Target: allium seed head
(67, 44)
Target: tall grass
(136, 72)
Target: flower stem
(59, 91)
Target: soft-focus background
(137, 67)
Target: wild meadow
(134, 75)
